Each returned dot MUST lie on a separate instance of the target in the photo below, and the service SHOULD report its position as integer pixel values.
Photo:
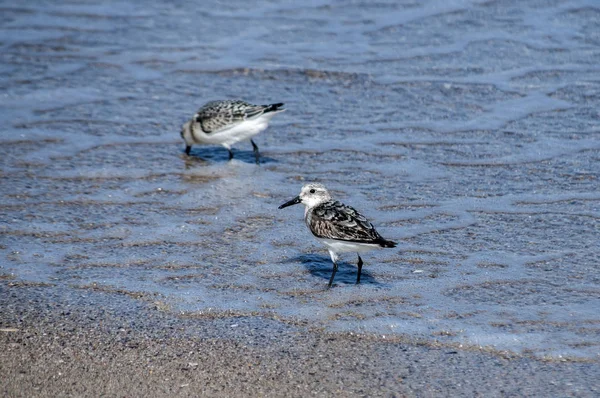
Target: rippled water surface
(468, 131)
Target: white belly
(338, 246)
(240, 132)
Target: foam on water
(466, 130)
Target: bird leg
(360, 264)
(256, 153)
(335, 267)
(188, 148)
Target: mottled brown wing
(334, 220)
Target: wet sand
(51, 347)
(484, 168)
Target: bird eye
(312, 191)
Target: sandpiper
(339, 227)
(226, 122)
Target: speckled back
(335, 220)
(217, 115)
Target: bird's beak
(294, 201)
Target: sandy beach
(51, 348)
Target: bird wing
(218, 115)
(334, 220)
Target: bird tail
(386, 243)
(273, 107)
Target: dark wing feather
(217, 115)
(334, 220)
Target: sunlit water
(467, 131)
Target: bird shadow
(217, 154)
(321, 267)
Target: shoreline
(84, 343)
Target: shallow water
(468, 131)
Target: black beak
(294, 201)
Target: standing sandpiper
(339, 227)
(227, 122)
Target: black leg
(360, 264)
(256, 153)
(230, 154)
(335, 266)
(188, 149)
